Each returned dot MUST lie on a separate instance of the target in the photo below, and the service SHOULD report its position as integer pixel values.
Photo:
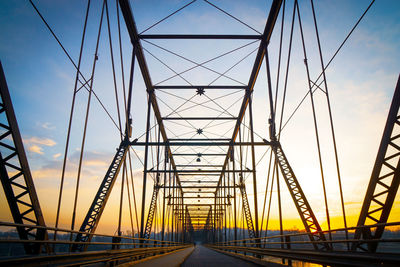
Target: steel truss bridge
(198, 177)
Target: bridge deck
(202, 256)
(173, 259)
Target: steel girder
(16, 177)
(384, 182)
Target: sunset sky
(361, 82)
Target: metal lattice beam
(100, 200)
(384, 182)
(16, 176)
(246, 209)
(152, 210)
(307, 216)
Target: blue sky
(40, 78)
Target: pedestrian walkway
(172, 259)
(205, 257)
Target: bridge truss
(201, 151)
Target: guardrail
(297, 246)
(103, 249)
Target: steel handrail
(306, 234)
(2, 223)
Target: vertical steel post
(241, 178)
(220, 215)
(253, 161)
(146, 151)
(279, 205)
(173, 210)
(157, 178)
(234, 194)
(183, 219)
(215, 217)
(225, 226)
(229, 202)
(164, 191)
(121, 199)
(181, 215)
(169, 203)
(178, 217)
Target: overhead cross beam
(218, 87)
(200, 143)
(201, 36)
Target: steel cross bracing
(96, 209)
(384, 182)
(208, 225)
(303, 207)
(246, 209)
(16, 176)
(152, 208)
(188, 225)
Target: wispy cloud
(36, 149)
(48, 126)
(35, 144)
(95, 164)
(40, 141)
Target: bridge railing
(297, 246)
(102, 248)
